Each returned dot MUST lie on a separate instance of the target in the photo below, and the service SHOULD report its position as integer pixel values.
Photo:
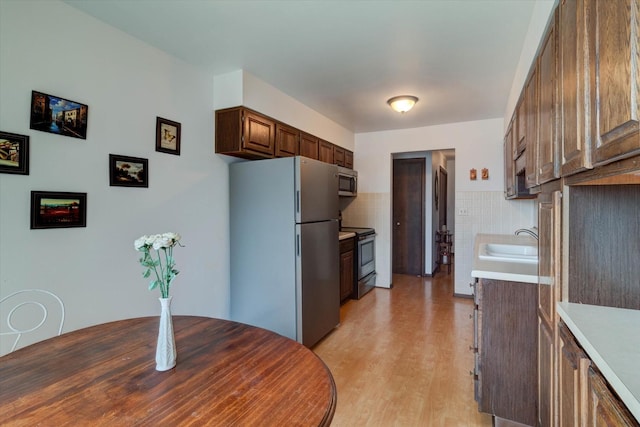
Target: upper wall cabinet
(573, 83)
(548, 147)
(245, 133)
(531, 128)
(309, 145)
(613, 35)
(287, 140)
(520, 128)
(325, 151)
(509, 174)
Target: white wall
(477, 145)
(51, 47)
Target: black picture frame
(60, 116)
(14, 153)
(167, 136)
(54, 209)
(127, 171)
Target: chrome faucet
(527, 231)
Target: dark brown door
(442, 198)
(408, 216)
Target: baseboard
(463, 295)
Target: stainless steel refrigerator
(285, 273)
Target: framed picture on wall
(167, 136)
(125, 171)
(14, 153)
(52, 209)
(57, 115)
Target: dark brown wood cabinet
(242, 132)
(347, 268)
(325, 151)
(548, 147)
(348, 159)
(613, 38)
(507, 338)
(549, 258)
(531, 131)
(287, 140)
(520, 128)
(509, 173)
(309, 145)
(604, 408)
(573, 364)
(573, 100)
(585, 396)
(338, 155)
(245, 133)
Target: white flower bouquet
(162, 265)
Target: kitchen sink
(527, 254)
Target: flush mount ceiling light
(403, 103)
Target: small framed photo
(14, 153)
(52, 209)
(57, 115)
(167, 136)
(125, 171)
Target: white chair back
(28, 313)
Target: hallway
(401, 357)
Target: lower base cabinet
(506, 336)
(347, 269)
(585, 396)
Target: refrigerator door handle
(298, 244)
(297, 201)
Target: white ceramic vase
(166, 348)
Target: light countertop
(346, 235)
(611, 338)
(501, 270)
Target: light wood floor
(401, 357)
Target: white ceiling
(345, 58)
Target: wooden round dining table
(227, 374)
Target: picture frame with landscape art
(54, 209)
(57, 115)
(167, 136)
(126, 171)
(14, 153)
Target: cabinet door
(338, 156)
(346, 274)
(325, 152)
(573, 102)
(531, 131)
(572, 380)
(287, 140)
(508, 350)
(520, 125)
(509, 174)
(614, 67)
(546, 374)
(309, 146)
(348, 159)
(605, 409)
(259, 133)
(549, 226)
(548, 148)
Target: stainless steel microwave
(347, 182)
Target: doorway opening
(423, 206)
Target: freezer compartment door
(316, 190)
(318, 280)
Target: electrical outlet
(463, 211)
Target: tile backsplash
(485, 212)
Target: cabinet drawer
(347, 245)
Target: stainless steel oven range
(365, 258)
